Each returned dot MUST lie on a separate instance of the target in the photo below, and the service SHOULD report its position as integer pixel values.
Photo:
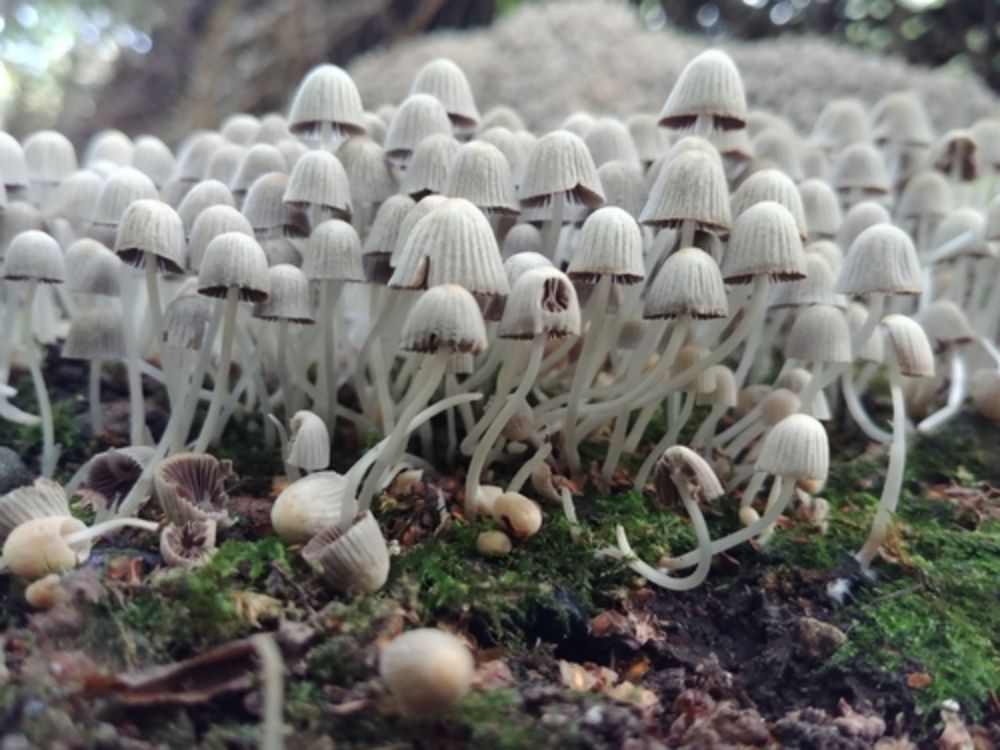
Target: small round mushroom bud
(841, 123)
(446, 82)
(821, 209)
(481, 174)
(819, 334)
(259, 160)
(624, 186)
(201, 197)
(707, 96)
(212, 222)
(310, 505)
(122, 189)
(427, 671)
(428, 168)
(41, 499)
(292, 150)
(859, 174)
(46, 592)
(771, 185)
(318, 184)
(154, 159)
(493, 544)
(308, 442)
(188, 545)
(520, 516)
(351, 558)
(986, 394)
(418, 117)
(193, 487)
(267, 212)
(326, 106)
(777, 405)
(50, 158)
(39, 547)
(748, 398)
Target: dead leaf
(637, 669)
(494, 673)
(609, 623)
(585, 678)
(643, 699)
(252, 607)
(918, 680)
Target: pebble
(13, 472)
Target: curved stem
(703, 436)
(505, 381)
(105, 527)
(221, 384)
(50, 452)
(528, 467)
(956, 396)
(668, 439)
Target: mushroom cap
(34, 256)
(522, 238)
(309, 506)
(49, 157)
(186, 319)
(234, 260)
(651, 141)
(520, 516)
(624, 186)
(815, 289)
(371, 179)
(445, 81)
(195, 153)
(327, 95)
(224, 163)
(427, 670)
(796, 448)
(482, 175)
(882, 260)
(946, 324)
(771, 185)
(445, 318)
(765, 240)
(419, 116)
(858, 218)
(542, 302)
(724, 393)
(779, 147)
(96, 335)
(91, 268)
(319, 179)
(333, 252)
(241, 128)
(710, 84)
(610, 244)
(38, 547)
(690, 186)
(680, 467)
(985, 389)
(109, 145)
(860, 167)
(383, 237)
(153, 158)
(269, 215)
(13, 168)
(203, 195)
(820, 208)
(351, 559)
(926, 195)
(819, 334)
(75, 199)
(560, 163)
(258, 160)
(188, 545)
(778, 404)
(900, 118)
(429, 166)
(688, 283)
(154, 228)
(910, 346)
(41, 499)
(211, 222)
(193, 487)
(609, 140)
(840, 123)
(114, 472)
(308, 442)
(873, 350)
(289, 297)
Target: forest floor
(572, 649)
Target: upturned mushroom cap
(771, 185)
(445, 318)
(680, 467)
(542, 302)
(819, 334)
(38, 547)
(765, 240)
(193, 487)
(212, 222)
(310, 505)
(882, 260)
(49, 157)
(418, 117)
(326, 95)
(910, 346)
(154, 228)
(234, 260)
(522, 238)
(453, 244)
(289, 298)
(710, 85)
(188, 545)
(820, 208)
(446, 82)
(688, 283)
(796, 448)
(429, 166)
(560, 163)
(114, 472)
(95, 334)
(482, 175)
(34, 256)
(308, 442)
(691, 186)
(41, 499)
(352, 559)
(427, 670)
(624, 186)
(610, 244)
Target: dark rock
(13, 472)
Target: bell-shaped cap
(882, 260)
(259, 160)
(319, 179)
(267, 212)
(560, 163)
(351, 559)
(446, 82)
(724, 393)
(446, 318)
(765, 240)
(900, 118)
(153, 158)
(49, 157)
(609, 140)
(289, 297)
(95, 334)
(91, 268)
(815, 289)
(326, 96)
(481, 174)
(111, 146)
(419, 116)
(121, 190)
(610, 244)
(819, 334)
(240, 128)
(796, 448)
(860, 168)
(212, 222)
(682, 473)
(13, 168)
(963, 229)
(502, 117)
(858, 218)
(841, 123)
(946, 324)
(926, 195)
(709, 85)
(691, 186)
(651, 141)
(771, 185)
(429, 166)
(195, 153)
(234, 260)
(820, 208)
(542, 302)
(779, 149)
(422, 207)
(151, 228)
(224, 163)
(308, 442)
(624, 186)
(202, 196)
(34, 256)
(75, 199)
(383, 236)
(956, 153)
(367, 170)
(910, 346)
(689, 283)
(522, 238)
(333, 253)
(193, 487)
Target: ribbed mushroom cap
(780, 148)
(114, 472)
(962, 222)
(724, 392)
(34, 256)
(909, 345)
(259, 160)
(427, 171)
(188, 545)
(49, 157)
(419, 116)
(333, 252)
(815, 289)
(195, 153)
(796, 448)
(75, 199)
(858, 218)
(273, 129)
(186, 319)
(327, 95)
(542, 302)
(427, 670)
(819, 334)
(224, 163)
(281, 250)
(814, 161)
(624, 186)
(319, 179)
(95, 334)
(688, 284)
(193, 487)
(308, 442)
(681, 470)
(446, 82)
(267, 211)
(445, 318)
(841, 123)
(421, 209)
(481, 174)
(351, 559)
(292, 150)
(873, 350)
(764, 240)
(651, 141)
(860, 167)
(43, 498)
(383, 237)
(202, 196)
(578, 123)
(502, 117)
(771, 185)
(310, 505)
(109, 145)
(778, 404)
(560, 163)
(18, 216)
(882, 260)
(522, 238)
(820, 208)
(13, 169)
(610, 244)
(512, 147)
(367, 170)
(926, 195)
(709, 84)
(900, 118)
(956, 153)
(945, 324)
(241, 128)
(691, 186)
(121, 190)
(91, 268)
(234, 260)
(212, 222)
(830, 252)
(289, 297)
(153, 158)
(609, 140)
(453, 244)
(154, 228)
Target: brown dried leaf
(252, 607)
(918, 680)
(643, 699)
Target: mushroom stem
(703, 436)
(510, 405)
(956, 395)
(208, 427)
(329, 297)
(857, 409)
(528, 467)
(137, 405)
(392, 301)
(94, 397)
(50, 451)
(272, 669)
(156, 317)
(508, 371)
(550, 236)
(668, 439)
(106, 527)
(894, 476)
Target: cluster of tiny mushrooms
(383, 268)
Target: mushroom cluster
(341, 271)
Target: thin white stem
(857, 409)
(221, 384)
(94, 397)
(137, 406)
(106, 527)
(50, 451)
(956, 395)
(272, 670)
(550, 235)
(528, 467)
(668, 439)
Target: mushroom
(427, 670)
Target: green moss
(496, 719)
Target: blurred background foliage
(131, 63)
